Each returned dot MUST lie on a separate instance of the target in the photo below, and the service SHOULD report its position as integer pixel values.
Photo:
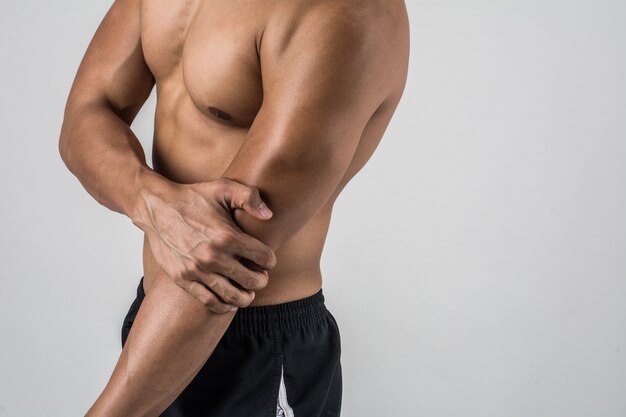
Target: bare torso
(203, 55)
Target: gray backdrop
(475, 266)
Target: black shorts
(276, 360)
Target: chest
(208, 50)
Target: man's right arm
(201, 246)
(112, 83)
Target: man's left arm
(321, 87)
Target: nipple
(219, 113)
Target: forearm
(101, 150)
(172, 337)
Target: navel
(219, 113)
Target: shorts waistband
(290, 315)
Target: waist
(274, 318)
(296, 275)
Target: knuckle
(252, 194)
(209, 258)
(210, 302)
(238, 238)
(263, 279)
(211, 283)
(256, 281)
(188, 270)
(233, 274)
(215, 307)
(220, 186)
(228, 238)
(249, 282)
(245, 195)
(232, 294)
(269, 259)
(215, 285)
(222, 182)
(245, 301)
(193, 268)
(230, 297)
(180, 276)
(218, 307)
(224, 238)
(207, 300)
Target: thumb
(247, 198)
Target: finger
(238, 195)
(217, 268)
(251, 248)
(209, 300)
(226, 290)
(248, 279)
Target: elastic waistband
(307, 311)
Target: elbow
(64, 145)
(76, 116)
(64, 142)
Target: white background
(476, 265)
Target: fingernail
(264, 210)
(233, 309)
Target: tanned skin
(279, 101)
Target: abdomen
(188, 149)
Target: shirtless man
(280, 101)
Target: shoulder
(360, 38)
(342, 23)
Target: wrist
(147, 183)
